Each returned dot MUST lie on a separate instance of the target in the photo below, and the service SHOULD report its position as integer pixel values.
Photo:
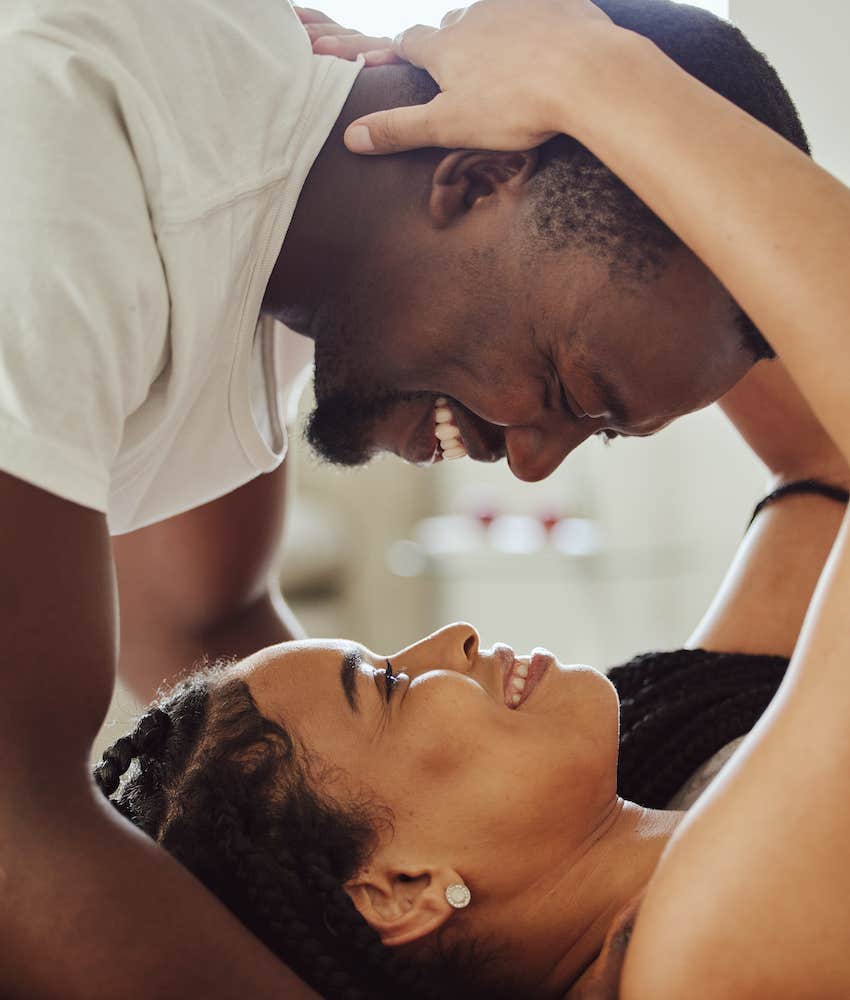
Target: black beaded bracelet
(801, 486)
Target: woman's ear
(403, 905)
(466, 178)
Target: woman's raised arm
(763, 599)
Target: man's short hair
(576, 201)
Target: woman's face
(499, 784)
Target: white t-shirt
(151, 157)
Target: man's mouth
(422, 446)
(449, 439)
(446, 431)
(481, 441)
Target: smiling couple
(449, 820)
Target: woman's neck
(580, 908)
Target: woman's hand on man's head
(505, 70)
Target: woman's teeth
(451, 443)
(518, 683)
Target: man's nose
(535, 452)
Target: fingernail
(359, 140)
(327, 41)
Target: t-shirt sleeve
(83, 297)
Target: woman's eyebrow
(348, 678)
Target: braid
(271, 887)
(147, 738)
(678, 709)
(115, 762)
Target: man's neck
(346, 203)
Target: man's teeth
(448, 435)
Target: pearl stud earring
(458, 895)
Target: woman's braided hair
(678, 709)
(235, 798)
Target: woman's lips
(522, 676)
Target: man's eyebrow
(348, 678)
(611, 398)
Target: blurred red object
(549, 520)
(486, 516)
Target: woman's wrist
(589, 78)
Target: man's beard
(350, 402)
(341, 427)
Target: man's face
(534, 352)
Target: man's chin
(335, 449)
(341, 458)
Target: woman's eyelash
(390, 680)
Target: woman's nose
(453, 647)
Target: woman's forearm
(769, 412)
(773, 226)
(760, 606)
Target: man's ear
(403, 905)
(466, 178)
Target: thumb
(393, 131)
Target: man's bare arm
(201, 585)
(89, 908)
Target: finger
(393, 131)
(309, 15)
(381, 57)
(350, 46)
(327, 29)
(412, 45)
(452, 16)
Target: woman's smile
(522, 676)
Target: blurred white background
(389, 17)
(647, 527)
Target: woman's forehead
(292, 671)
(303, 653)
